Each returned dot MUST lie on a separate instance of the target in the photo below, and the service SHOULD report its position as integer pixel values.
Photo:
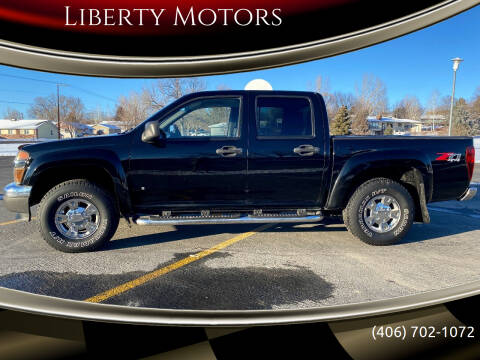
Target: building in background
(74, 129)
(28, 129)
(430, 120)
(119, 124)
(377, 125)
(105, 129)
(219, 129)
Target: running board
(227, 220)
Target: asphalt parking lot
(282, 266)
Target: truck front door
(202, 163)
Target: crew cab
(234, 157)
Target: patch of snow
(25, 141)
(9, 149)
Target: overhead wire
(61, 84)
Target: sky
(414, 64)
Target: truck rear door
(287, 154)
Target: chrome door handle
(306, 150)
(229, 151)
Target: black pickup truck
(234, 157)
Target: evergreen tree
(341, 122)
(119, 113)
(388, 130)
(461, 121)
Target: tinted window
(217, 117)
(277, 116)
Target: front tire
(380, 212)
(77, 216)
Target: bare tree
(322, 86)
(399, 111)
(371, 99)
(360, 122)
(372, 95)
(72, 111)
(136, 107)
(133, 109)
(12, 114)
(413, 110)
(97, 116)
(45, 107)
(444, 106)
(340, 99)
(165, 91)
(223, 87)
(432, 108)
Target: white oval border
(95, 65)
(43, 59)
(72, 309)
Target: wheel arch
(101, 168)
(410, 168)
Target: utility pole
(433, 119)
(58, 111)
(58, 108)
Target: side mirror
(152, 133)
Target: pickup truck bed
(354, 155)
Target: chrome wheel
(77, 219)
(382, 213)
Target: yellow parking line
(155, 274)
(14, 221)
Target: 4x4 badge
(450, 157)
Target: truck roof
(262, 92)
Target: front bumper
(16, 198)
(469, 194)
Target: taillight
(470, 160)
(20, 165)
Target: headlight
(20, 165)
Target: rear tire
(380, 212)
(77, 216)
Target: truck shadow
(442, 225)
(184, 232)
(416, 237)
